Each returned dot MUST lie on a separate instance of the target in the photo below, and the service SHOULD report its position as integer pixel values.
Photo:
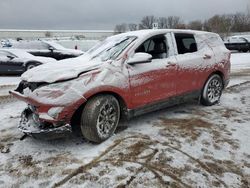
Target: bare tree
(173, 22)
(224, 24)
(163, 23)
(197, 25)
(147, 22)
(214, 24)
(120, 28)
(132, 27)
(241, 22)
(181, 26)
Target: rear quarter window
(209, 40)
(214, 40)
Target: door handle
(207, 56)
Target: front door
(154, 81)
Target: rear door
(155, 81)
(9, 63)
(193, 63)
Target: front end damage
(32, 126)
(50, 108)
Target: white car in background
(16, 61)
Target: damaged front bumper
(50, 109)
(30, 125)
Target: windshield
(111, 48)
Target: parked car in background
(123, 76)
(239, 43)
(47, 49)
(16, 61)
(5, 43)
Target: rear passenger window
(185, 43)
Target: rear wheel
(212, 90)
(100, 118)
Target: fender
(122, 93)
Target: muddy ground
(184, 146)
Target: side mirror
(10, 57)
(51, 48)
(139, 58)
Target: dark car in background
(47, 49)
(238, 43)
(16, 61)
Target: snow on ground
(9, 80)
(184, 146)
(7, 84)
(240, 61)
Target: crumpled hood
(61, 70)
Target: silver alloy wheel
(214, 90)
(106, 120)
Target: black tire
(212, 90)
(30, 66)
(100, 118)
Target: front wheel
(30, 66)
(100, 118)
(212, 90)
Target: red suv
(123, 76)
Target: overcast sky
(104, 14)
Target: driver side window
(156, 46)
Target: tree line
(222, 24)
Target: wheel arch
(75, 119)
(218, 72)
(32, 62)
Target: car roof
(18, 52)
(151, 32)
